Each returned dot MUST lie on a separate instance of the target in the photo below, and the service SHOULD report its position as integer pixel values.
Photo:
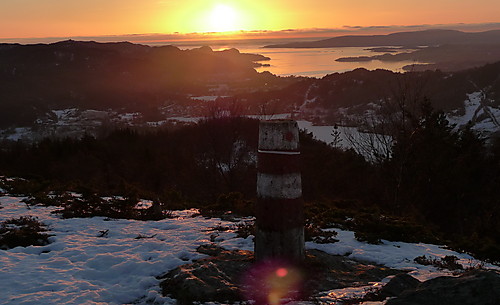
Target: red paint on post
(289, 137)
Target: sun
(223, 18)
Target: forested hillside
(156, 83)
(443, 180)
(88, 75)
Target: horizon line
(261, 34)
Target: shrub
(449, 262)
(92, 205)
(45, 199)
(245, 229)
(233, 202)
(369, 224)
(173, 199)
(484, 248)
(314, 233)
(22, 232)
(23, 187)
(242, 229)
(372, 227)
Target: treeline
(359, 90)
(195, 162)
(441, 178)
(199, 162)
(446, 178)
(447, 90)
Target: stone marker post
(279, 211)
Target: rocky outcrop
(397, 285)
(478, 287)
(229, 276)
(326, 272)
(212, 279)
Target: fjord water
(310, 62)
(318, 62)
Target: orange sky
(69, 18)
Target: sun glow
(223, 18)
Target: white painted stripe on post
(288, 186)
(278, 152)
(279, 135)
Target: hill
(89, 75)
(405, 39)
(72, 88)
(447, 50)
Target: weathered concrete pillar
(279, 210)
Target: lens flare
(281, 272)
(273, 282)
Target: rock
(327, 272)
(478, 287)
(398, 284)
(210, 249)
(230, 276)
(212, 279)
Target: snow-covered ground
(324, 133)
(73, 122)
(208, 98)
(85, 265)
(17, 134)
(485, 119)
(349, 137)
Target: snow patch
(478, 111)
(397, 255)
(80, 266)
(207, 98)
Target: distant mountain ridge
(36, 78)
(70, 84)
(406, 39)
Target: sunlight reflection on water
(317, 62)
(310, 62)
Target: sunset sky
(69, 18)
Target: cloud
(311, 33)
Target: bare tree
(226, 152)
(337, 136)
(390, 119)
